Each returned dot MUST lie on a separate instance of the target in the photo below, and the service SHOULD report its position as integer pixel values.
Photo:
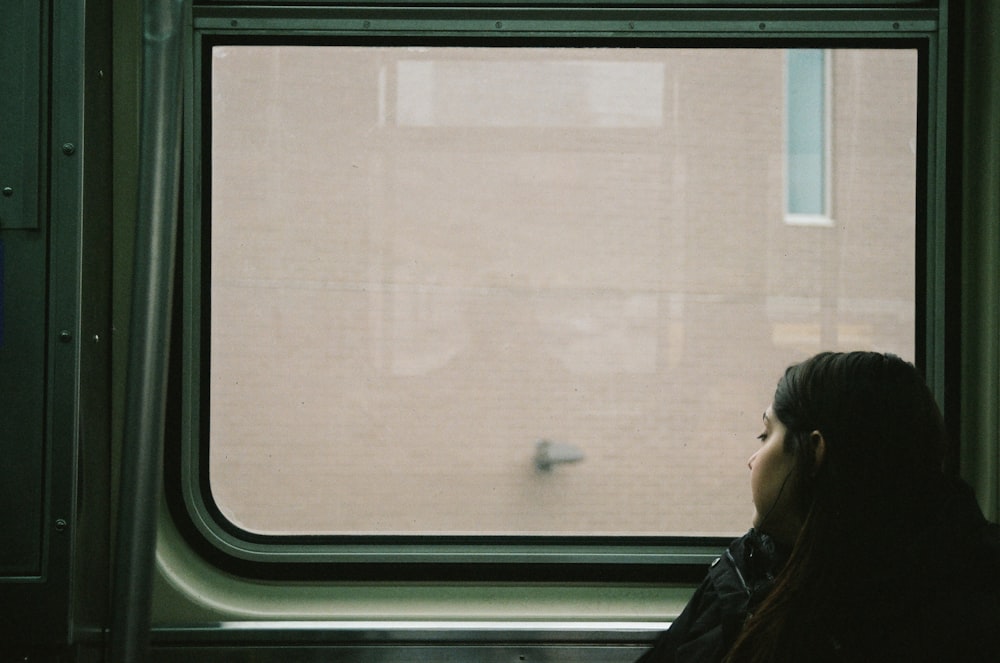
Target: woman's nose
(750, 462)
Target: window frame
(514, 557)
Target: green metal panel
(19, 113)
(22, 295)
(54, 330)
(22, 357)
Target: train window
(518, 291)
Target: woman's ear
(819, 449)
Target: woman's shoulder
(957, 536)
(953, 597)
(756, 559)
(989, 540)
(710, 622)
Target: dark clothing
(937, 600)
(712, 619)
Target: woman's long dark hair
(884, 448)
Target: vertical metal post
(149, 338)
(980, 372)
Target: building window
(808, 140)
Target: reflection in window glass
(430, 265)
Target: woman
(862, 548)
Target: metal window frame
(921, 27)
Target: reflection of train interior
(414, 331)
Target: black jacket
(709, 624)
(938, 599)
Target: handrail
(149, 339)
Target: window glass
(533, 291)
(807, 126)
